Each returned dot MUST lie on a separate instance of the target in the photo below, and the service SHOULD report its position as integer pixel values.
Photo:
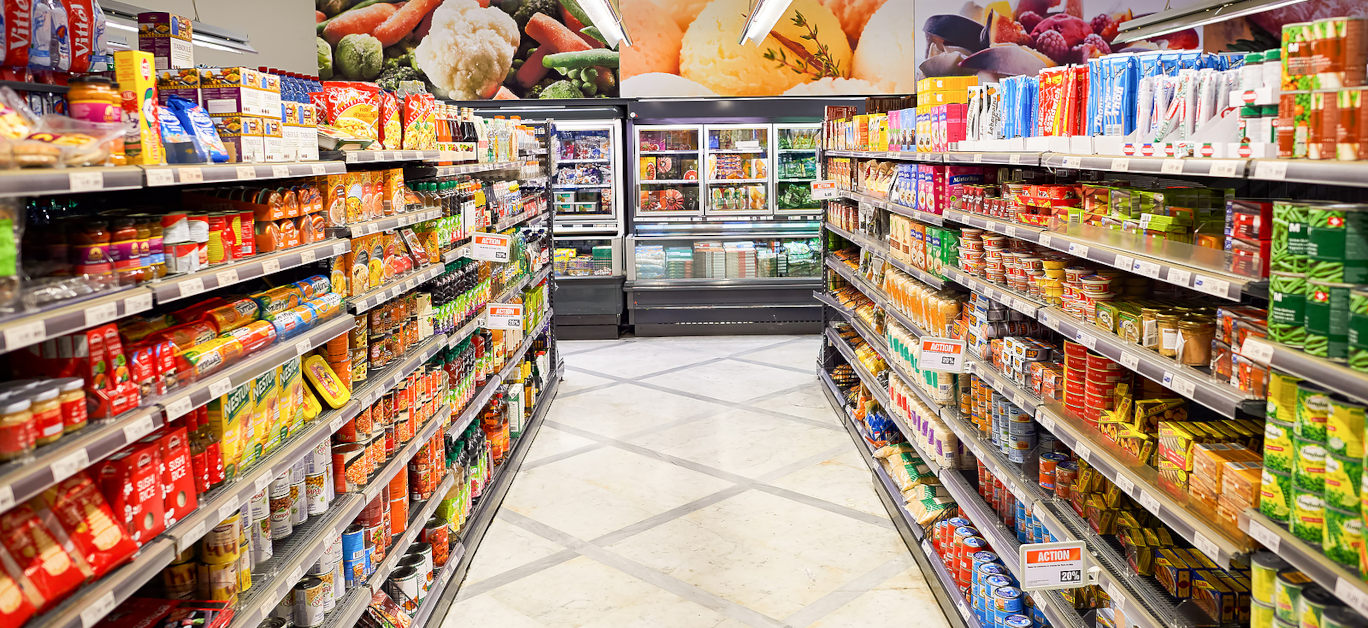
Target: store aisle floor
(693, 482)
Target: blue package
(1149, 64)
(180, 146)
(195, 120)
(1032, 92)
(1097, 90)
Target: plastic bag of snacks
(69, 142)
(352, 108)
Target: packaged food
(42, 553)
(187, 335)
(351, 108)
(15, 606)
(390, 126)
(195, 121)
(135, 73)
(255, 335)
(325, 381)
(233, 315)
(90, 524)
(208, 357)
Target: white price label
(1010, 230)
(262, 482)
(503, 316)
(1171, 166)
(86, 180)
(191, 287)
(1120, 164)
(306, 257)
(1078, 250)
(191, 175)
(1114, 592)
(1123, 262)
(160, 176)
(280, 171)
(1045, 240)
(1270, 170)
(1130, 360)
(70, 464)
(220, 387)
(1212, 285)
(1014, 159)
(335, 424)
(97, 609)
(1180, 385)
(1352, 593)
(269, 266)
(1145, 220)
(1085, 339)
(320, 169)
(1148, 269)
(1257, 349)
(978, 158)
(100, 314)
(226, 277)
(303, 346)
(140, 302)
(139, 428)
(1205, 546)
(227, 510)
(1045, 420)
(1124, 483)
(1267, 538)
(178, 408)
(25, 334)
(195, 532)
(6, 498)
(748, 145)
(1179, 276)
(1072, 161)
(1149, 502)
(1083, 452)
(246, 172)
(1225, 167)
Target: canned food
(217, 581)
(299, 509)
(350, 470)
(220, 545)
(437, 534)
(309, 602)
(1264, 568)
(424, 551)
(404, 586)
(354, 555)
(316, 493)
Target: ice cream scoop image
(886, 52)
(655, 43)
(793, 53)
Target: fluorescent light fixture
(124, 17)
(606, 20)
(764, 15)
(1201, 14)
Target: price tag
(942, 354)
(1205, 546)
(1225, 167)
(320, 169)
(100, 314)
(246, 172)
(97, 609)
(491, 247)
(227, 510)
(1010, 230)
(220, 387)
(503, 316)
(1123, 261)
(1353, 594)
(178, 408)
(748, 145)
(1184, 386)
(1015, 159)
(978, 158)
(1212, 285)
(140, 302)
(335, 424)
(1148, 269)
(191, 175)
(1124, 483)
(262, 482)
(139, 428)
(25, 334)
(280, 171)
(1149, 502)
(269, 266)
(191, 287)
(85, 180)
(1171, 166)
(1257, 349)
(1179, 276)
(1078, 250)
(1130, 360)
(1085, 339)
(1120, 164)
(70, 464)
(1264, 536)
(226, 277)
(303, 346)
(1114, 592)
(824, 190)
(194, 533)
(306, 257)
(1270, 170)
(1053, 566)
(1072, 161)
(6, 498)
(1083, 452)
(160, 176)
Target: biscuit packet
(89, 522)
(48, 565)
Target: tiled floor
(693, 482)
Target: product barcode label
(246, 172)
(1212, 286)
(1270, 170)
(262, 482)
(1148, 501)
(1083, 452)
(978, 158)
(1257, 349)
(191, 175)
(191, 287)
(1115, 593)
(6, 498)
(220, 387)
(86, 180)
(270, 266)
(1130, 360)
(1353, 594)
(97, 609)
(1044, 239)
(1120, 164)
(1045, 420)
(1179, 276)
(25, 334)
(1072, 161)
(1123, 261)
(306, 257)
(303, 347)
(1171, 166)
(1124, 483)
(1010, 230)
(160, 176)
(1078, 250)
(280, 171)
(100, 314)
(1264, 536)
(140, 302)
(335, 424)
(70, 464)
(1015, 159)
(226, 277)
(1205, 546)
(1148, 269)
(1086, 340)
(1224, 167)
(194, 534)
(139, 428)
(227, 510)
(178, 408)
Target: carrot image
(532, 69)
(505, 94)
(549, 32)
(403, 21)
(357, 22)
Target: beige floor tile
(603, 490)
(721, 346)
(742, 442)
(575, 381)
(584, 592)
(627, 408)
(483, 610)
(767, 553)
(568, 347)
(890, 604)
(843, 480)
(800, 354)
(504, 547)
(733, 381)
(636, 359)
(551, 441)
(808, 402)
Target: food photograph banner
(467, 49)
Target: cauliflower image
(467, 53)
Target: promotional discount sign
(491, 247)
(824, 190)
(942, 354)
(1053, 565)
(504, 316)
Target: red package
(178, 484)
(15, 605)
(145, 612)
(419, 121)
(90, 524)
(38, 551)
(131, 480)
(212, 450)
(391, 127)
(81, 26)
(18, 32)
(353, 108)
(142, 365)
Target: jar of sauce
(155, 257)
(124, 251)
(73, 402)
(1168, 334)
(1195, 341)
(89, 243)
(47, 412)
(97, 99)
(17, 433)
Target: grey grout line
(595, 387)
(515, 574)
(668, 516)
(532, 464)
(864, 583)
(793, 369)
(614, 345)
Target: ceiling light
(606, 20)
(762, 20)
(1175, 20)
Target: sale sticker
(492, 247)
(824, 190)
(1053, 565)
(942, 354)
(504, 316)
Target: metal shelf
(670, 182)
(902, 210)
(1224, 168)
(194, 174)
(1184, 380)
(513, 221)
(182, 286)
(1023, 398)
(728, 181)
(388, 223)
(580, 186)
(399, 462)
(1349, 173)
(877, 389)
(457, 253)
(686, 151)
(1010, 298)
(65, 317)
(25, 478)
(38, 181)
(583, 161)
(1141, 483)
(411, 530)
(394, 288)
(1332, 375)
(439, 585)
(1346, 585)
(875, 294)
(465, 331)
(464, 169)
(881, 249)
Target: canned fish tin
(1263, 571)
(404, 586)
(308, 607)
(1016, 621)
(1007, 599)
(1308, 515)
(1275, 495)
(1048, 463)
(316, 493)
(1343, 536)
(1065, 474)
(1308, 465)
(1342, 617)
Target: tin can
(246, 222)
(1264, 568)
(1016, 621)
(245, 553)
(282, 525)
(1049, 461)
(354, 556)
(965, 563)
(316, 493)
(349, 468)
(220, 544)
(308, 606)
(437, 533)
(1065, 474)
(374, 538)
(424, 551)
(398, 513)
(415, 561)
(1287, 593)
(217, 227)
(319, 458)
(329, 598)
(218, 582)
(299, 509)
(404, 586)
(261, 540)
(339, 582)
(180, 581)
(1341, 617)
(277, 622)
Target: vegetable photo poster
(688, 48)
(467, 49)
(1016, 37)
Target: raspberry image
(1082, 52)
(1053, 45)
(1097, 42)
(1029, 20)
(1105, 27)
(1073, 29)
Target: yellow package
(247, 427)
(266, 417)
(290, 401)
(310, 406)
(225, 422)
(325, 381)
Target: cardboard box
(166, 37)
(178, 482)
(136, 75)
(131, 481)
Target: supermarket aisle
(693, 482)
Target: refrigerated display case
(589, 277)
(737, 180)
(796, 167)
(586, 186)
(667, 175)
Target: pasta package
(390, 124)
(352, 108)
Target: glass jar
(1167, 325)
(73, 402)
(17, 434)
(123, 251)
(47, 412)
(144, 248)
(155, 258)
(1149, 327)
(1195, 336)
(89, 246)
(94, 98)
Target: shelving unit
(193, 284)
